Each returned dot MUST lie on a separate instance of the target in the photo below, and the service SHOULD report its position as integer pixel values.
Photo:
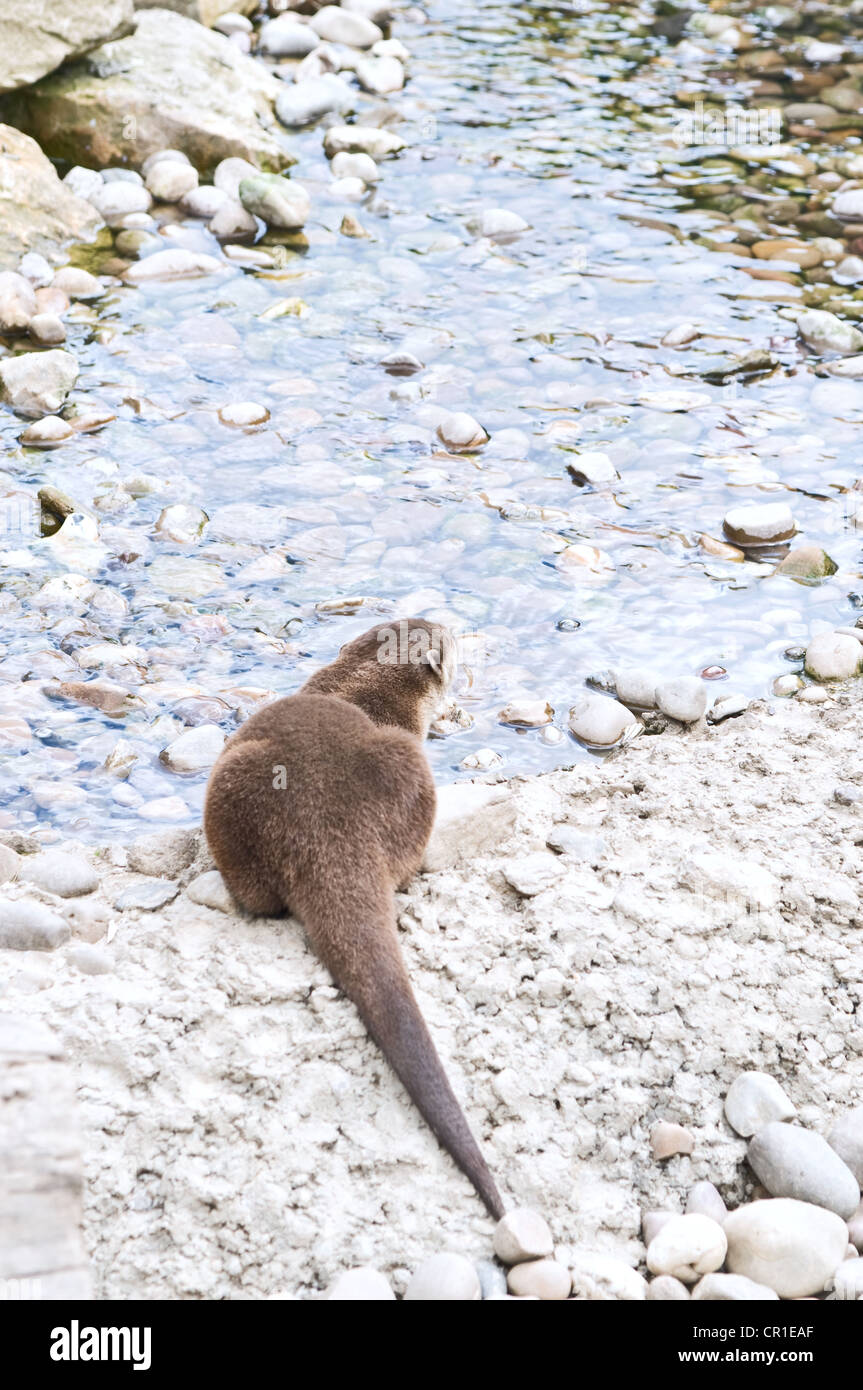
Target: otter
(322, 805)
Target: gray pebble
(492, 1279)
(147, 896)
(794, 1162)
(704, 1200)
(753, 1100)
(446, 1278)
(666, 1289)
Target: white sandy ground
(244, 1139)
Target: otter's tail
(366, 962)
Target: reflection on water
(553, 342)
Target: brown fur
(350, 827)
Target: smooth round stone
(232, 220)
(363, 139)
(242, 414)
(787, 685)
(229, 174)
(849, 271)
(849, 205)
(806, 562)
(652, 1223)
(301, 103)
(794, 1162)
(83, 182)
(177, 263)
(35, 268)
(147, 897)
(667, 1140)
(209, 890)
(362, 1285)
(352, 190)
(848, 1280)
(233, 23)
(602, 1278)
(113, 201)
(754, 1100)
(500, 224)
(543, 1279)
(684, 699)
(483, 760)
(336, 25)
(827, 333)
(813, 695)
(593, 469)
(66, 875)
(730, 1288)
(687, 1247)
(194, 750)
(792, 1247)
(175, 156)
(760, 525)
(833, 656)
(169, 181)
(380, 75)
(846, 1138)
(17, 302)
(355, 166)
(275, 199)
(47, 433)
(598, 721)
(666, 1289)
(182, 522)
(89, 960)
(461, 431)
(204, 200)
(529, 714)
(444, 1278)
(47, 329)
(705, 1200)
(285, 37)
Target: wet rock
(36, 39)
(232, 220)
(171, 82)
(177, 263)
(194, 750)
(113, 700)
(364, 1285)
(760, 525)
(30, 926)
(358, 166)
(444, 1278)
(846, 1138)
(754, 1100)
(598, 721)
(808, 562)
(666, 1289)
(460, 431)
(351, 226)
(380, 75)
(229, 174)
(336, 25)
(169, 181)
(791, 1246)
(585, 564)
(602, 1278)
(522, 1234)
(204, 200)
(684, 699)
(687, 1247)
(66, 875)
(794, 1162)
(667, 1140)
(361, 139)
(182, 523)
(543, 1279)
(284, 37)
(849, 205)
(278, 201)
(242, 414)
(37, 383)
(833, 656)
(302, 103)
(500, 224)
(593, 469)
(529, 714)
(47, 434)
(38, 212)
(532, 873)
(483, 760)
(146, 897)
(727, 707)
(47, 329)
(17, 302)
(635, 687)
(825, 332)
(209, 890)
(730, 1288)
(163, 854)
(114, 201)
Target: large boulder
(37, 211)
(36, 38)
(170, 84)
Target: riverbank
(243, 1137)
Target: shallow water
(553, 342)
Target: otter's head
(399, 672)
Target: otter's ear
(433, 658)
